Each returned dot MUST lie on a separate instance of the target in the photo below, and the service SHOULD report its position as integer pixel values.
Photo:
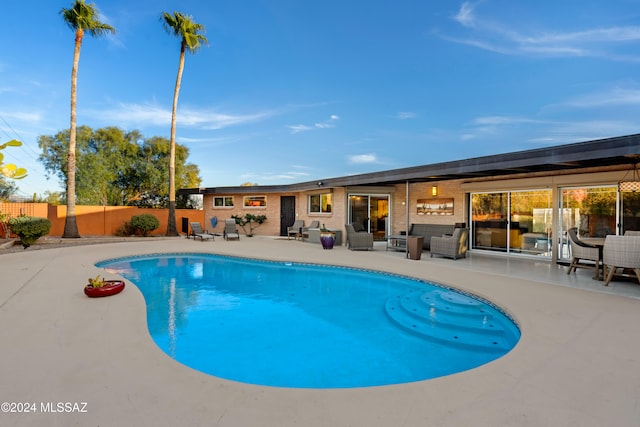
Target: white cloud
(324, 125)
(405, 115)
(299, 128)
(327, 124)
(502, 38)
(614, 97)
(154, 115)
(614, 34)
(465, 15)
(363, 158)
(277, 177)
(21, 116)
(501, 120)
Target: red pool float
(110, 287)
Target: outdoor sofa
(430, 230)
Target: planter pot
(327, 238)
(111, 287)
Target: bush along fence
(29, 228)
(95, 220)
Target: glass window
(592, 210)
(514, 222)
(531, 222)
(220, 202)
(254, 201)
(630, 211)
(320, 203)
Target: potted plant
(99, 287)
(327, 237)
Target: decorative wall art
(435, 206)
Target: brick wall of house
(338, 217)
(335, 219)
(419, 191)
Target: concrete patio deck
(577, 363)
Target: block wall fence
(99, 220)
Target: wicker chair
(305, 230)
(453, 246)
(621, 252)
(582, 251)
(294, 230)
(358, 240)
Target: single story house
(519, 203)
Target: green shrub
(29, 228)
(125, 230)
(144, 223)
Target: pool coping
(574, 365)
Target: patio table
(597, 242)
(397, 242)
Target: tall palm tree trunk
(171, 223)
(70, 224)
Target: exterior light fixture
(633, 185)
(434, 190)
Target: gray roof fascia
(602, 152)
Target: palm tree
(81, 18)
(191, 38)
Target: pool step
(473, 316)
(451, 319)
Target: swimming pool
(311, 326)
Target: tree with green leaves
(117, 168)
(82, 18)
(191, 39)
(7, 188)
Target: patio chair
(358, 240)
(305, 230)
(197, 231)
(621, 252)
(582, 251)
(451, 246)
(230, 230)
(294, 229)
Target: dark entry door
(287, 213)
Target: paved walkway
(577, 364)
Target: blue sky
(290, 91)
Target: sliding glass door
(592, 210)
(369, 212)
(630, 211)
(512, 222)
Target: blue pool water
(311, 326)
